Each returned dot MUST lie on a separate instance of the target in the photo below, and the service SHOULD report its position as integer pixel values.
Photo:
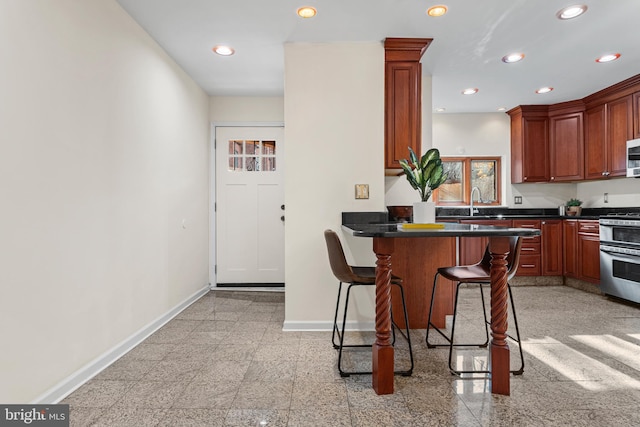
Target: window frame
(466, 193)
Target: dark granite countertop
(449, 230)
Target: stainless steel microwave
(633, 158)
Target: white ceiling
(468, 43)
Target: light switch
(362, 191)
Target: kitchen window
(463, 174)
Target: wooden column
(403, 98)
(382, 357)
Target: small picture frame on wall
(362, 191)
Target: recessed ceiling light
(307, 12)
(436, 11)
(440, 110)
(545, 89)
(513, 57)
(223, 50)
(571, 12)
(470, 91)
(502, 108)
(608, 58)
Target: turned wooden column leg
(499, 350)
(382, 357)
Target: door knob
(282, 218)
(282, 207)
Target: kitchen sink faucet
(471, 209)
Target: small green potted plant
(574, 207)
(425, 174)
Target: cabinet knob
(553, 178)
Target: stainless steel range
(620, 256)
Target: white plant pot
(424, 212)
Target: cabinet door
(589, 262)
(566, 143)
(619, 131)
(595, 158)
(551, 247)
(472, 248)
(535, 149)
(570, 237)
(402, 111)
(636, 115)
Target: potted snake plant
(425, 174)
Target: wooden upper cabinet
(566, 143)
(636, 115)
(529, 143)
(595, 157)
(608, 127)
(619, 131)
(403, 98)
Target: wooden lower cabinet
(589, 251)
(551, 252)
(539, 255)
(472, 248)
(582, 250)
(530, 253)
(570, 252)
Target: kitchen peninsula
(385, 237)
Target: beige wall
(246, 109)
(103, 159)
(334, 111)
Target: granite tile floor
(225, 361)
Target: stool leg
(515, 322)
(453, 327)
(344, 322)
(486, 322)
(429, 324)
(408, 372)
(335, 320)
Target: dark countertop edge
(541, 217)
(460, 230)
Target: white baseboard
(93, 368)
(309, 326)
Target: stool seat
(358, 276)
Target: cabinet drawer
(525, 223)
(589, 227)
(530, 248)
(529, 265)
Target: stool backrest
(337, 260)
(513, 259)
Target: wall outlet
(517, 200)
(606, 197)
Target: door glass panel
(235, 163)
(235, 147)
(452, 190)
(252, 164)
(252, 147)
(252, 156)
(483, 176)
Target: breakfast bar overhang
(384, 236)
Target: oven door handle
(632, 257)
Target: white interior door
(249, 205)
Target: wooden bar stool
(478, 274)
(358, 276)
